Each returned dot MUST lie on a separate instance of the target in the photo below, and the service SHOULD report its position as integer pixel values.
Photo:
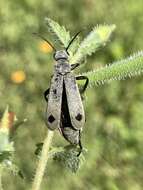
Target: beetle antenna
(72, 40)
(45, 40)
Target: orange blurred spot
(45, 47)
(18, 76)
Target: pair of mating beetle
(64, 103)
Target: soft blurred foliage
(113, 133)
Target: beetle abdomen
(74, 102)
(69, 133)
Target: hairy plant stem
(42, 161)
(129, 67)
(1, 187)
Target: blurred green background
(113, 133)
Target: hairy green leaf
(96, 39)
(68, 158)
(58, 31)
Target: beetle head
(61, 54)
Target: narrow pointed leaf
(5, 120)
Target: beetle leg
(86, 83)
(46, 93)
(80, 144)
(73, 66)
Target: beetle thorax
(62, 67)
(62, 64)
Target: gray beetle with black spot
(64, 104)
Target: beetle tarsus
(73, 66)
(81, 148)
(46, 93)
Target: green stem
(42, 162)
(1, 187)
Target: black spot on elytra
(51, 119)
(79, 117)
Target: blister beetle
(64, 104)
